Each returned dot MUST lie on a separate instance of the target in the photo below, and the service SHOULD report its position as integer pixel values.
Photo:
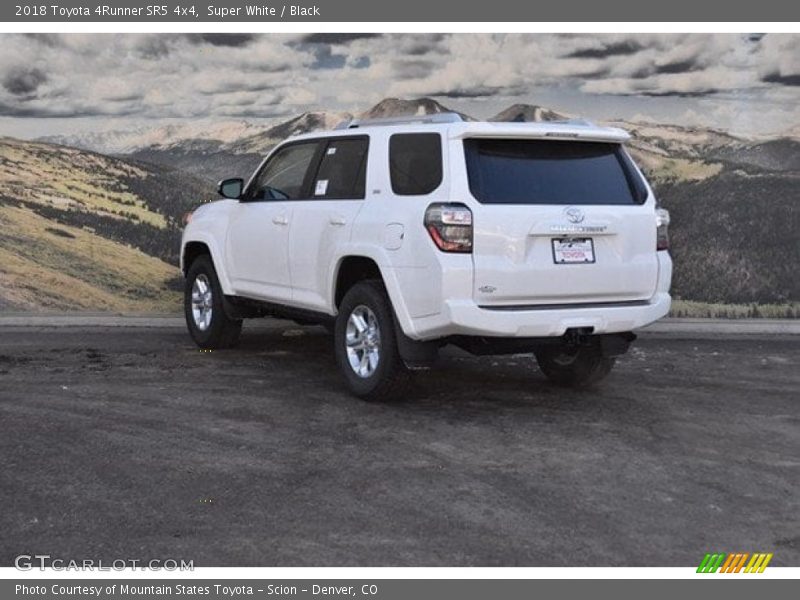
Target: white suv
(409, 234)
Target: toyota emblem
(574, 215)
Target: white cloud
(158, 76)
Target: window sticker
(321, 188)
(331, 150)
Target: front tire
(574, 366)
(206, 320)
(366, 344)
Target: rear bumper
(464, 317)
(453, 311)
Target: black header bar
(440, 11)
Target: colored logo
(735, 563)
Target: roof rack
(444, 117)
(578, 121)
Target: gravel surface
(131, 443)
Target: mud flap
(415, 354)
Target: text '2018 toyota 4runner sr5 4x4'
(405, 235)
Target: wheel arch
(350, 270)
(200, 245)
(191, 251)
(366, 261)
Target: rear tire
(366, 344)
(203, 308)
(576, 367)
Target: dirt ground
(128, 443)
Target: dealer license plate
(573, 250)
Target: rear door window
(342, 172)
(550, 172)
(415, 163)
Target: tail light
(662, 229)
(450, 227)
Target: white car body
(289, 252)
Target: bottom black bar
(731, 586)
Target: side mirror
(231, 188)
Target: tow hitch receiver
(578, 336)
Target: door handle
(338, 220)
(280, 220)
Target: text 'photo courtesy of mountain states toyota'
(404, 235)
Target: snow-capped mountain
(213, 150)
(217, 156)
(262, 141)
(528, 113)
(397, 107)
(128, 141)
(244, 137)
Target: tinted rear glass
(415, 162)
(549, 172)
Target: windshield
(518, 171)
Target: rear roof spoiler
(557, 130)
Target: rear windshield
(551, 172)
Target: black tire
(221, 331)
(576, 367)
(390, 379)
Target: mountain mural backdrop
(92, 221)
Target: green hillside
(734, 238)
(79, 230)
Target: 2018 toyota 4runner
(404, 235)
